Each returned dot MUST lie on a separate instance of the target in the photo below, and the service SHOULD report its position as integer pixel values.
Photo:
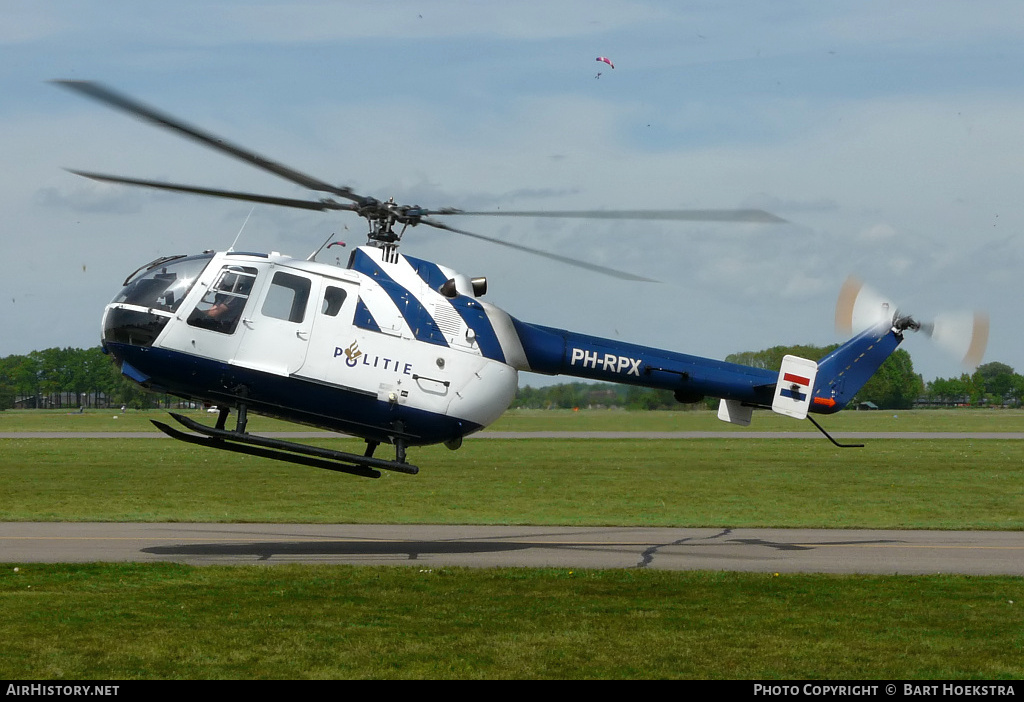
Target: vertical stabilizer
(845, 371)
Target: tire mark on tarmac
(647, 556)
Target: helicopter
(394, 349)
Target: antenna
(232, 247)
(327, 244)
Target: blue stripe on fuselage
(423, 326)
(471, 311)
(363, 319)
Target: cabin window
(222, 305)
(334, 298)
(287, 297)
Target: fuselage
(374, 350)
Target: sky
(888, 136)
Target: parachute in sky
(605, 59)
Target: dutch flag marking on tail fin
(796, 383)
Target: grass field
(303, 622)
(958, 420)
(116, 621)
(919, 484)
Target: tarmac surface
(432, 546)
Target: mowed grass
(167, 621)
(891, 483)
(934, 420)
(950, 420)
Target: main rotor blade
(622, 275)
(675, 215)
(149, 114)
(319, 205)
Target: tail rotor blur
(964, 335)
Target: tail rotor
(964, 335)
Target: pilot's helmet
(237, 283)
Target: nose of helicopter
(149, 299)
(128, 326)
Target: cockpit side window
(164, 284)
(222, 306)
(287, 297)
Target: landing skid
(243, 442)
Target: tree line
(71, 378)
(68, 378)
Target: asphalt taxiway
(429, 546)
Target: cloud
(877, 233)
(86, 199)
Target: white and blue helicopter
(394, 349)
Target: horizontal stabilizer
(793, 391)
(735, 412)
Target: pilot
(226, 307)
(229, 298)
(224, 313)
(221, 307)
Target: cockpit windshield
(164, 283)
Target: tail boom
(560, 352)
(836, 378)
